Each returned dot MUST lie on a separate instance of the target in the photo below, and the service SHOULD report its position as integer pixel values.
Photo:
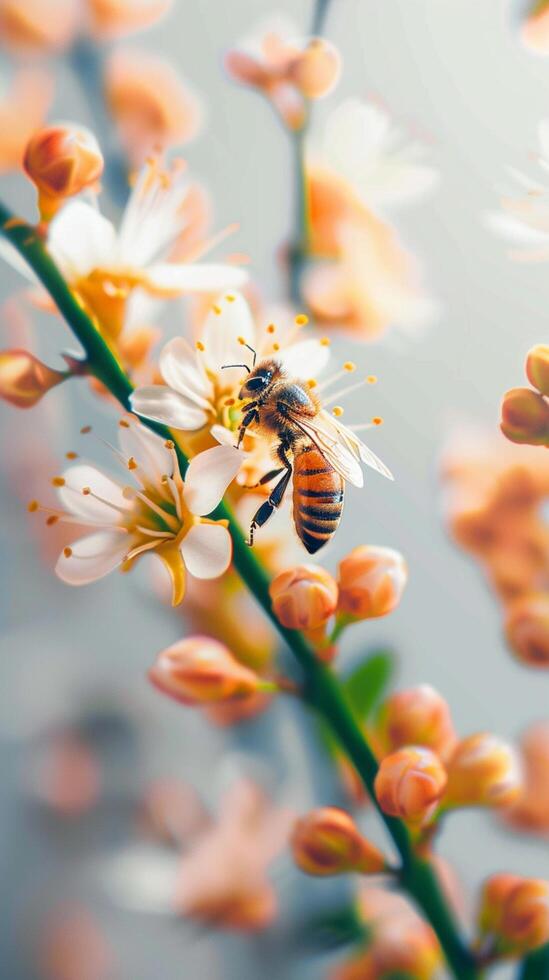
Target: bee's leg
(275, 498)
(251, 416)
(265, 479)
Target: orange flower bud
(24, 379)
(527, 629)
(62, 161)
(483, 771)
(304, 597)
(525, 417)
(410, 784)
(515, 912)
(328, 842)
(36, 25)
(149, 102)
(199, 670)
(417, 716)
(371, 581)
(537, 367)
(315, 72)
(116, 18)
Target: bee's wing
(331, 446)
(356, 446)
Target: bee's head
(259, 379)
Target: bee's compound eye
(257, 383)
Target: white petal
(161, 404)
(207, 550)
(141, 878)
(181, 371)
(81, 239)
(306, 359)
(148, 450)
(92, 558)
(226, 437)
(208, 476)
(206, 277)
(222, 330)
(516, 231)
(543, 136)
(86, 506)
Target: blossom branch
(321, 690)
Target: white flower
(105, 265)
(161, 513)
(198, 390)
(364, 147)
(524, 219)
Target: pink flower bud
(417, 716)
(62, 161)
(537, 367)
(304, 597)
(24, 379)
(316, 70)
(116, 18)
(410, 784)
(483, 771)
(514, 911)
(527, 629)
(525, 417)
(328, 842)
(31, 26)
(199, 670)
(371, 581)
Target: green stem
(299, 246)
(319, 17)
(536, 965)
(321, 689)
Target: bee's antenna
(223, 366)
(254, 352)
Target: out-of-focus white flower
(161, 514)
(104, 265)
(524, 217)
(363, 146)
(198, 390)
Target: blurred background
(76, 660)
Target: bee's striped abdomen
(318, 499)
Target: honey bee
(312, 445)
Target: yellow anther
(228, 402)
(132, 465)
(71, 455)
(337, 410)
(124, 424)
(312, 383)
(242, 341)
(271, 328)
(349, 366)
(86, 491)
(58, 481)
(67, 552)
(32, 506)
(87, 428)
(276, 347)
(377, 420)
(169, 444)
(301, 319)
(324, 341)
(200, 345)
(51, 520)
(230, 299)
(216, 309)
(371, 379)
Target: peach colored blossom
(371, 581)
(199, 670)
(34, 26)
(111, 19)
(416, 716)
(304, 597)
(67, 776)
(327, 842)
(525, 417)
(515, 911)
(483, 771)
(62, 161)
(410, 784)
(222, 879)
(24, 380)
(23, 109)
(152, 107)
(527, 628)
(531, 811)
(71, 945)
(537, 367)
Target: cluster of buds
(369, 584)
(62, 161)
(202, 671)
(495, 513)
(288, 73)
(38, 27)
(525, 411)
(426, 770)
(513, 917)
(328, 842)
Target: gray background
(456, 72)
